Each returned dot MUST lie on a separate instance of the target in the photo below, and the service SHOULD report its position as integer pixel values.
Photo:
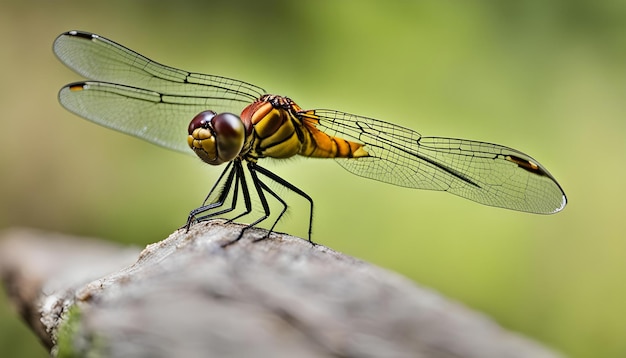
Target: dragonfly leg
(282, 212)
(246, 193)
(234, 172)
(233, 175)
(230, 173)
(291, 187)
(258, 186)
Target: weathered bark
(187, 296)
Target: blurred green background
(546, 77)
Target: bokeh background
(547, 77)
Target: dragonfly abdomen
(318, 144)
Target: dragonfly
(227, 121)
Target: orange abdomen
(278, 128)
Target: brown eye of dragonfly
(202, 120)
(216, 138)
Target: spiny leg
(217, 204)
(240, 178)
(291, 187)
(232, 174)
(217, 182)
(246, 194)
(258, 186)
(269, 190)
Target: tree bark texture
(189, 296)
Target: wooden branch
(187, 296)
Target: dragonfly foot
(235, 240)
(191, 219)
(262, 237)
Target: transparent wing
(135, 95)
(100, 59)
(156, 117)
(487, 173)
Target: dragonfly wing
(487, 173)
(159, 118)
(100, 59)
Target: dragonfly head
(216, 138)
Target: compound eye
(202, 120)
(216, 138)
(230, 135)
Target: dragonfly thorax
(273, 128)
